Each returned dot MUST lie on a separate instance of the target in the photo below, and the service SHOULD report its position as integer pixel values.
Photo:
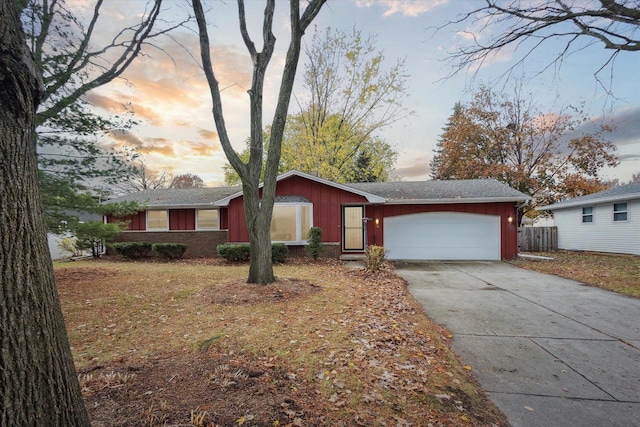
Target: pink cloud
(208, 134)
(419, 169)
(410, 8)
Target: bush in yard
(236, 252)
(170, 250)
(314, 248)
(133, 250)
(68, 246)
(239, 252)
(374, 258)
(94, 235)
(279, 253)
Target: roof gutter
(209, 205)
(455, 200)
(594, 201)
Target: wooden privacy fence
(537, 239)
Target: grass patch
(324, 345)
(617, 273)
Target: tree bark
(39, 384)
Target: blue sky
(171, 100)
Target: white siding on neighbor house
(54, 248)
(603, 234)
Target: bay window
(291, 222)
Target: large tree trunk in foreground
(39, 384)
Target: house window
(157, 220)
(207, 219)
(291, 222)
(620, 211)
(587, 214)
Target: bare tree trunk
(261, 265)
(258, 223)
(258, 212)
(38, 379)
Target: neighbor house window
(620, 211)
(208, 219)
(157, 220)
(587, 214)
(291, 222)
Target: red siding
(136, 222)
(508, 231)
(327, 202)
(182, 219)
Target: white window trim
(298, 205)
(592, 215)
(626, 211)
(147, 220)
(207, 228)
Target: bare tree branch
(610, 22)
(72, 71)
(218, 112)
(258, 210)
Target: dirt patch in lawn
(618, 273)
(199, 389)
(240, 292)
(191, 343)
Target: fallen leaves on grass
(618, 273)
(330, 347)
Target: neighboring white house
(608, 221)
(54, 240)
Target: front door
(353, 228)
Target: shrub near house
(133, 250)
(170, 250)
(240, 252)
(136, 250)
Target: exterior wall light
(509, 219)
(377, 222)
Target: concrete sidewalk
(548, 351)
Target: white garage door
(443, 236)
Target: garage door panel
(443, 235)
(441, 253)
(442, 239)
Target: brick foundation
(331, 250)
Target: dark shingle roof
(621, 192)
(184, 197)
(469, 191)
(441, 191)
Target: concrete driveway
(549, 351)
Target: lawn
(191, 343)
(618, 273)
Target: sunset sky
(170, 97)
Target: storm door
(353, 228)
